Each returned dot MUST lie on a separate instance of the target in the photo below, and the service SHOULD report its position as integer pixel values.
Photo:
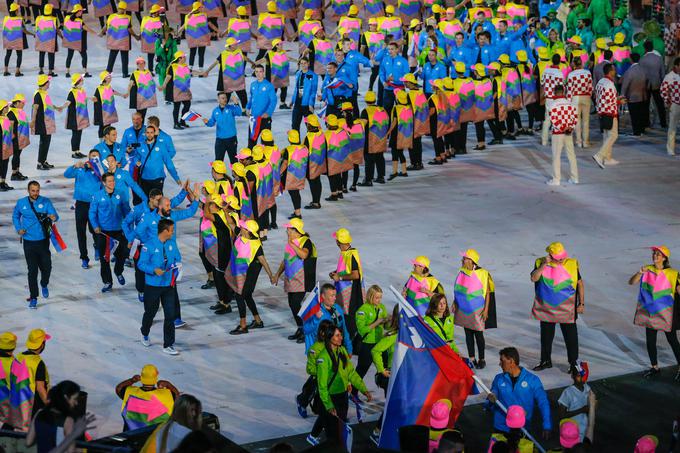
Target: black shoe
(296, 335)
(572, 370)
(126, 76)
(340, 196)
(543, 366)
(294, 216)
(223, 310)
(344, 190)
(435, 162)
(479, 147)
(78, 155)
(510, 137)
(18, 74)
(365, 184)
(313, 206)
(380, 180)
(421, 167)
(331, 198)
(5, 187)
(461, 151)
(184, 124)
(392, 176)
(256, 325)
(300, 340)
(53, 74)
(650, 373)
(6, 73)
(402, 174)
(480, 364)
(208, 285)
(41, 72)
(216, 306)
(42, 166)
(273, 226)
(263, 238)
(353, 188)
(48, 165)
(412, 168)
(238, 330)
(87, 75)
(68, 74)
(178, 127)
(496, 142)
(284, 107)
(18, 177)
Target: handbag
(606, 122)
(44, 220)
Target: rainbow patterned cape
(656, 299)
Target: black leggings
(375, 70)
(570, 334)
(149, 60)
(143, 113)
(330, 422)
(415, 154)
(76, 136)
(470, 337)
(201, 56)
(355, 176)
(513, 118)
(8, 55)
(224, 291)
(50, 60)
(295, 198)
(4, 166)
(398, 155)
(186, 105)
(365, 359)
(315, 188)
(124, 60)
(284, 94)
(44, 147)
(16, 158)
(335, 183)
(245, 299)
(672, 338)
(295, 302)
(69, 58)
(481, 133)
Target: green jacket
(572, 19)
(443, 329)
(344, 377)
(164, 56)
(600, 12)
(366, 315)
(552, 46)
(312, 355)
(386, 343)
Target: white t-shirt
(574, 399)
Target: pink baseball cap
(516, 417)
(569, 435)
(439, 415)
(646, 444)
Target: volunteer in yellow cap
(118, 30)
(315, 142)
(421, 285)
(473, 310)
(559, 299)
(270, 25)
(401, 138)
(74, 34)
(77, 118)
(177, 87)
(294, 165)
(22, 137)
(8, 343)
(43, 123)
(151, 30)
(377, 130)
(223, 119)
(14, 21)
(298, 268)
(349, 278)
(30, 362)
(46, 26)
(656, 307)
(198, 33)
(242, 274)
(162, 393)
(277, 70)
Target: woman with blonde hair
(186, 417)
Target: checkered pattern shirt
(606, 98)
(550, 79)
(670, 88)
(670, 38)
(579, 83)
(562, 116)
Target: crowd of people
(436, 69)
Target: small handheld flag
(110, 247)
(347, 436)
(255, 126)
(57, 241)
(335, 83)
(134, 249)
(191, 116)
(95, 166)
(176, 273)
(311, 305)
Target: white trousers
(674, 118)
(566, 142)
(608, 139)
(582, 130)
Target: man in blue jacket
(159, 261)
(392, 68)
(150, 161)
(163, 137)
(515, 385)
(304, 93)
(354, 58)
(107, 210)
(335, 89)
(331, 311)
(433, 69)
(222, 117)
(109, 146)
(261, 105)
(87, 183)
(133, 134)
(124, 182)
(32, 217)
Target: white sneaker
(145, 341)
(611, 162)
(170, 350)
(573, 181)
(552, 182)
(671, 153)
(598, 161)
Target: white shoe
(170, 350)
(598, 161)
(573, 181)
(552, 182)
(611, 162)
(671, 153)
(586, 145)
(145, 341)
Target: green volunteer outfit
(341, 380)
(442, 327)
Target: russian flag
(176, 273)
(57, 241)
(311, 305)
(424, 370)
(110, 247)
(335, 83)
(191, 116)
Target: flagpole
(483, 386)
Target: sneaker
(33, 304)
(45, 292)
(170, 350)
(273, 226)
(208, 285)
(313, 441)
(313, 206)
(121, 279)
(552, 182)
(612, 162)
(77, 155)
(18, 177)
(365, 184)
(573, 181)
(380, 180)
(48, 165)
(238, 330)
(107, 288)
(402, 174)
(543, 366)
(300, 408)
(140, 297)
(392, 176)
(4, 187)
(42, 166)
(256, 325)
(650, 373)
(85, 264)
(223, 309)
(296, 335)
(145, 341)
(480, 364)
(179, 323)
(332, 198)
(598, 161)
(128, 262)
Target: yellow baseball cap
(217, 199)
(48, 9)
(244, 153)
(8, 341)
(372, 21)
(36, 338)
(19, 98)
(522, 56)
(219, 166)
(448, 83)
(149, 375)
(271, 7)
(232, 202)
(460, 67)
(410, 78)
(557, 251)
(471, 254)
(343, 236)
(494, 65)
(501, 9)
(421, 261)
(389, 9)
(230, 41)
(241, 11)
(663, 249)
(576, 39)
(309, 13)
(43, 79)
(402, 97)
(13, 7)
(258, 152)
(477, 2)
(276, 42)
(122, 5)
(293, 136)
(250, 225)
(238, 169)
(480, 69)
(332, 120)
(296, 224)
(209, 186)
(3, 104)
(353, 10)
(619, 38)
(312, 120)
(345, 106)
(601, 43)
(103, 75)
(75, 78)
(436, 8)
(179, 54)
(195, 6)
(414, 23)
(155, 9)
(543, 53)
(267, 135)
(504, 58)
(437, 84)
(77, 7)
(450, 10)
(369, 97)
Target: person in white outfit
(552, 76)
(670, 91)
(607, 101)
(580, 91)
(563, 117)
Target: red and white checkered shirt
(606, 98)
(670, 88)
(562, 116)
(579, 83)
(670, 38)
(550, 79)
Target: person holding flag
(321, 305)
(349, 278)
(160, 260)
(223, 119)
(33, 217)
(261, 105)
(88, 181)
(299, 270)
(106, 214)
(335, 89)
(421, 285)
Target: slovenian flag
(255, 126)
(311, 305)
(191, 116)
(95, 166)
(424, 370)
(176, 270)
(56, 239)
(110, 247)
(335, 83)
(347, 436)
